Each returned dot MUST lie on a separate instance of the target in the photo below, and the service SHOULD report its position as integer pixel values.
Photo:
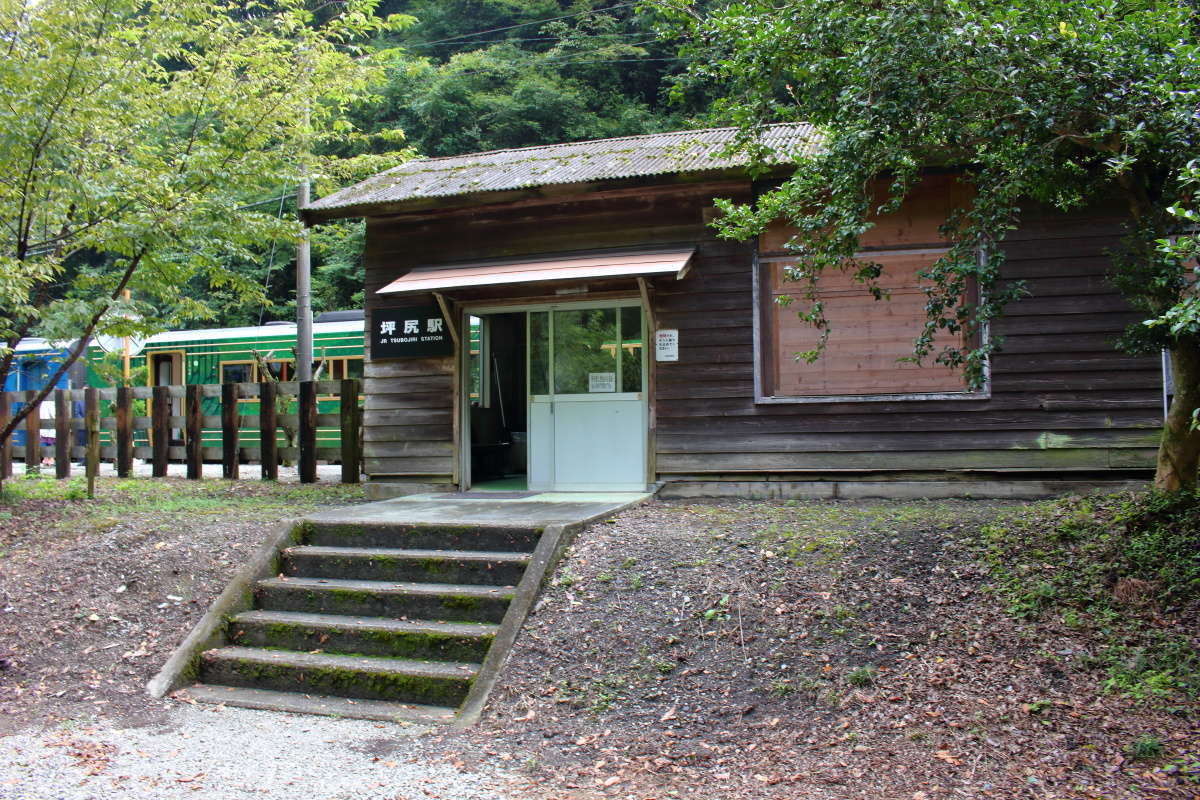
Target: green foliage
(1109, 566)
(596, 73)
(1044, 101)
(1146, 747)
(134, 134)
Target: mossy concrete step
(493, 568)
(269, 700)
(439, 683)
(374, 636)
(427, 601)
(428, 536)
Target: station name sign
(410, 333)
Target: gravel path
(222, 753)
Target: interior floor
(509, 483)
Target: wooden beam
(451, 322)
(160, 430)
(229, 431)
(6, 445)
(62, 434)
(351, 426)
(124, 414)
(267, 425)
(307, 410)
(92, 434)
(33, 435)
(194, 416)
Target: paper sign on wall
(666, 345)
(602, 381)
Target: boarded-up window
(868, 340)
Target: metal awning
(553, 268)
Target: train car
(234, 355)
(35, 361)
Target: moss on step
(351, 682)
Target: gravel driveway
(203, 752)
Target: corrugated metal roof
(548, 268)
(575, 162)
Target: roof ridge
(632, 137)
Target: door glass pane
(539, 352)
(475, 361)
(585, 351)
(631, 349)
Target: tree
(132, 135)
(1051, 101)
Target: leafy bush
(1124, 568)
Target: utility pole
(304, 321)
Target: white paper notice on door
(602, 381)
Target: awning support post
(451, 322)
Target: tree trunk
(1179, 453)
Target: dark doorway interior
(499, 401)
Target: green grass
(1110, 567)
(116, 498)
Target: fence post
(6, 445)
(351, 419)
(33, 435)
(267, 423)
(123, 412)
(160, 423)
(62, 434)
(229, 431)
(194, 412)
(91, 425)
(306, 408)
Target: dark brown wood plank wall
(1061, 397)
(407, 418)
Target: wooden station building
(565, 318)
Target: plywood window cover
(674, 262)
(761, 327)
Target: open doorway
(499, 402)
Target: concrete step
(269, 700)
(389, 564)
(373, 636)
(422, 536)
(438, 683)
(422, 601)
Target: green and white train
(239, 355)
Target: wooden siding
(1061, 398)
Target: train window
(354, 368)
(237, 373)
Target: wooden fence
(177, 414)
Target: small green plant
(718, 610)
(1144, 747)
(636, 582)
(565, 579)
(605, 577)
(628, 562)
(862, 676)
(781, 687)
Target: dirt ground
(809, 650)
(94, 595)
(684, 649)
